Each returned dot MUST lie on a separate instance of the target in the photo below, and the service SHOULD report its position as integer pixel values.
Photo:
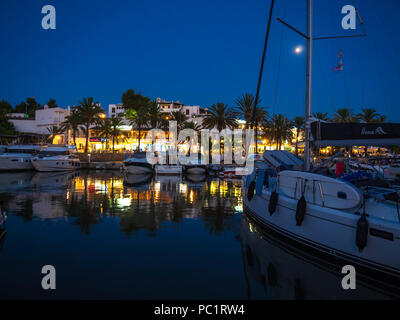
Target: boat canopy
(23, 148)
(355, 134)
(282, 159)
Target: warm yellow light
(102, 115)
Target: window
(187, 112)
(113, 110)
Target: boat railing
(316, 187)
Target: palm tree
(180, 119)
(245, 105)
(139, 120)
(299, 125)
(368, 115)
(155, 114)
(53, 131)
(115, 132)
(103, 128)
(381, 119)
(344, 115)
(219, 116)
(72, 122)
(323, 116)
(192, 125)
(278, 129)
(88, 111)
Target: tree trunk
(74, 137)
(113, 142)
(87, 138)
(139, 141)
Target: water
(138, 237)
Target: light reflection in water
(139, 201)
(148, 237)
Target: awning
(355, 134)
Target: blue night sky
(198, 52)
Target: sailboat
(323, 214)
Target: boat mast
(307, 155)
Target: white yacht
(168, 169)
(137, 164)
(194, 165)
(327, 215)
(18, 157)
(56, 158)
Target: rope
(262, 65)
(279, 60)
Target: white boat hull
(46, 165)
(12, 163)
(168, 169)
(132, 169)
(195, 170)
(283, 267)
(331, 231)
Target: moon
(298, 50)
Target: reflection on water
(139, 236)
(140, 201)
(144, 237)
(274, 271)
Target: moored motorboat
(18, 157)
(168, 169)
(135, 180)
(194, 165)
(56, 158)
(138, 164)
(229, 173)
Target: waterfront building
(44, 119)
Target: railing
(316, 186)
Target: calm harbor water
(111, 236)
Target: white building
(44, 118)
(194, 113)
(169, 106)
(115, 109)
